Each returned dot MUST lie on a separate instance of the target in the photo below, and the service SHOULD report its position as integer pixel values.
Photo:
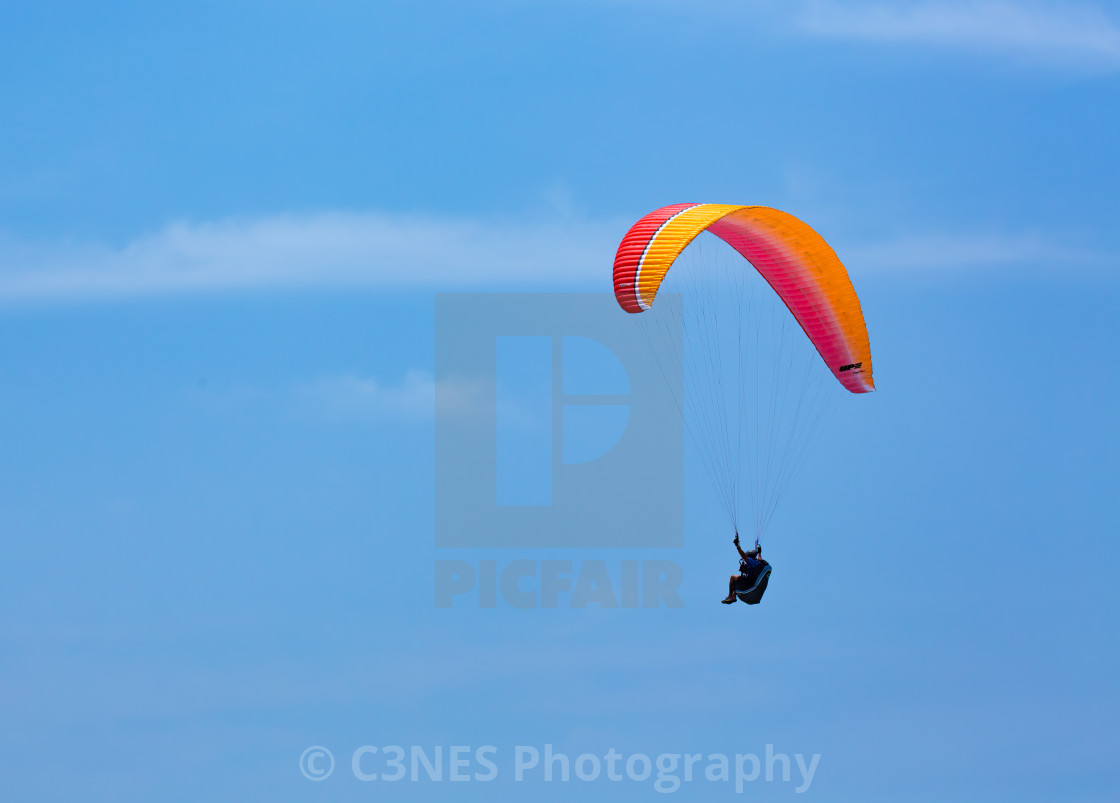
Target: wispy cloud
(942, 252)
(384, 251)
(1062, 33)
(418, 396)
(321, 250)
(359, 398)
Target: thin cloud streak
(1056, 33)
(418, 396)
(356, 399)
(359, 397)
(384, 251)
(322, 250)
(940, 253)
(350, 397)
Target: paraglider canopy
(766, 300)
(794, 260)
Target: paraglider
(754, 573)
(753, 396)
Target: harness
(746, 565)
(754, 574)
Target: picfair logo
(555, 425)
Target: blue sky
(222, 226)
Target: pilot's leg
(730, 598)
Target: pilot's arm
(754, 553)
